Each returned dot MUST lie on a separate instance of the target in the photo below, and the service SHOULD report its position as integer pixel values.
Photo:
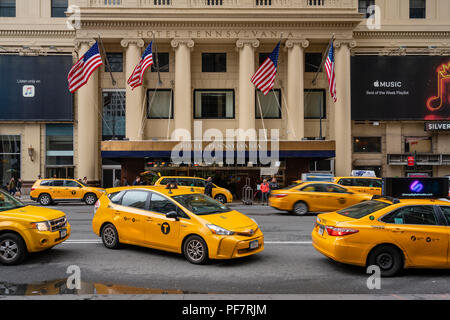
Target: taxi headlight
(41, 226)
(218, 230)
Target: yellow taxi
(387, 232)
(48, 191)
(314, 196)
(370, 185)
(218, 193)
(176, 219)
(25, 229)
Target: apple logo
(376, 84)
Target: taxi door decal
(165, 228)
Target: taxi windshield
(362, 209)
(8, 202)
(200, 204)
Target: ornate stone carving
(242, 42)
(296, 42)
(175, 43)
(80, 41)
(126, 42)
(348, 42)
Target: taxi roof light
(391, 199)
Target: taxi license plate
(62, 233)
(321, 230)
(254, 244)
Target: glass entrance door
(110, 174)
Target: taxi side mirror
(172, 215)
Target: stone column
(247, 89)
(295, 114)
(183, 113)
(342, 108)
(135, 107)
(87, 117)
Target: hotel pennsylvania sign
(217, 34)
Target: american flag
(146, 61)
(85, 66)
(329, 67)
(264, 77)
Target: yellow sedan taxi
(218, 193)
(25, 229)
(48, 191)
(390, 233)
(370, 185)
(314, 196)
(176, 219)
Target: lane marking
(93, 241)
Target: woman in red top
(264, 191)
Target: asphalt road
(288, 265)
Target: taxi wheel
(221, 198)
(12, 249)
(388, 258)
(195, 250)
(45, 199)
(300, 208)
(90, 199)
(110, 236)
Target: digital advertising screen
(415, 187)
(400, 87)
(35, 88)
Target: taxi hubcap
(8, 250)
(195, 250)
(45, 199)
(90, 199)
(385, 261)
(109, 236)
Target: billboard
(35, 88)
(415, 187)
(400, 87)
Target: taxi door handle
(116, 212)
(149, 219)
(397, 230)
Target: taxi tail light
(338, 232)
(32, 189)
(281, 195)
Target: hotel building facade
(393, 86)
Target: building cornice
(38, 33)
(401, 34)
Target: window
(214, 62)
(185, 182)
(213, 104)
(346, 182)
(113, 120)
(199, 183)
(418, 144)
(363, 5)
(160, 104)
(46, 183)
(9, 158)
(116, 197)
(320, 165)
(59, 8)
(313, 61)
(334, 189)
(366, 144)
(422, 215)
(167, 181)
(417, 9)
(135, 199)
(59, 144)
(270, 105)
(163, 59)
(71, 184)
(363, 209)
(58, 183)
(115, 60)
(315, 106)
(446, 211)
(161, 204)
(7, 8)
(314, 188)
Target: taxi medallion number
(62, 233)
(321, 230)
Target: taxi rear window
(363, 209)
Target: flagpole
(323, 60)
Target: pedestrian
(85, 180)
(265, 189)
(116, 182)
(12, 186)
(125, 182)
(273, 185)
(18, 193)
(137, 181)
(208, 187)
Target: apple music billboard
(400, 87)
(35, 88)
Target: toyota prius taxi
(410, 230)
(175, 219)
